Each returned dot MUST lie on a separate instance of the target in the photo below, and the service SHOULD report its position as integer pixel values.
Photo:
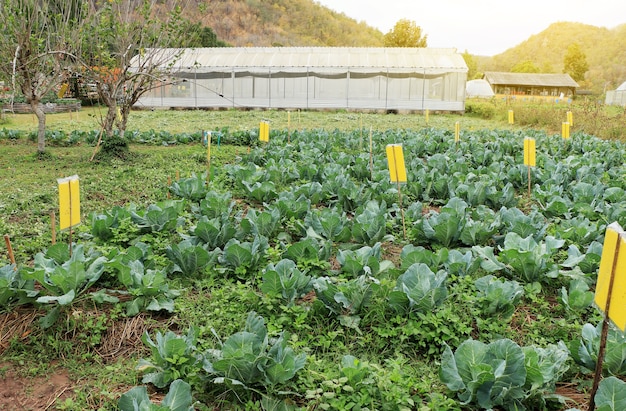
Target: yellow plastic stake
(457, 132)
(69, 202)
(511, 117)
(395, 160)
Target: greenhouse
(617, 97)
(401, 79)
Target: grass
(189, 121)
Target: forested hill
(284, 23)
(307, 23)
(605, 50)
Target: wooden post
(371, 157)
(53, 225)
(605, 331)
(69, 187)
(7, 240)
(169, 183)
(401, 210)
(208, 156)
(529, 182)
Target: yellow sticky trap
(565, 130)
(395, 160)
(613, 256)
(264, 131)
(511, 117)
(529, 152)
(63, 90)
(69, 202)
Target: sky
(482, 27)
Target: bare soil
(25, 393)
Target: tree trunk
(41, 125)
(109, 120)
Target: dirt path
(26, 394)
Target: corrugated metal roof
(530, 79)
(341, 58)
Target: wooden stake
(97, 145)
(53, 225)
(208, 156)
(361, 133)
(371, 157)
(177, 175)
(605, 330)
(69, 187)
(7, 240)
(401, 210)
(169, 183)
(529, 182)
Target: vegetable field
(289, 281)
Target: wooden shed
(532, 85)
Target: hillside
(284, 23)
(266, 23)
(604, 48)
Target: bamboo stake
(169, 183)
(7, 240)
(605, 330)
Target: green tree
(472, 66)
(526, 66)
(575, 62)
(204, 37)
(405, 34)
(36, 50)
(126, 47)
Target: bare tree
(36, 49)
(122, 33)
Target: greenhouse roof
(360, 58)
(530, 79)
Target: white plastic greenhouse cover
(478, 88)
(311, 77)
(617, 97)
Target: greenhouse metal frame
(402, 79)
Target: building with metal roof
(411, 79)
(532, 86)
